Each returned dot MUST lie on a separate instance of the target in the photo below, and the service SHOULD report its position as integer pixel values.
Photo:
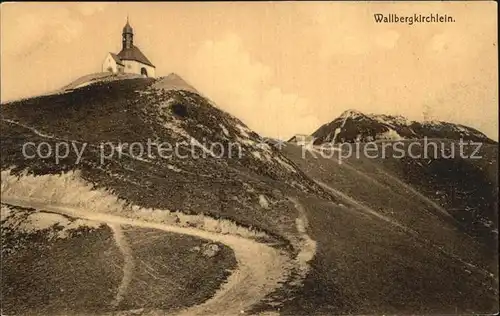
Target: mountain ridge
(355, 126)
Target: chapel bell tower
(127, 36)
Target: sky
(281, 67)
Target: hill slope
(212, 163)
(394, 247)
(357, 240)
(153, 147)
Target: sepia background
(283, 68)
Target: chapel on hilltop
(130, 59)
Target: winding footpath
(128, 265)
(260, 268)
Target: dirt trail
(307, 244)
(128, 265)
(260, 267)
(358, 205)
(402, 184)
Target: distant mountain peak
(355, 126)
(351, 113)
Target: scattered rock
(138, 311)
(210, 250)
(263, 202)
(196, 249)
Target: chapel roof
(116, 58)
(134, 53)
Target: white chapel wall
(109, 62)
(132, 66)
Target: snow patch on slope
(243, 130)
(350, 114)
(391, 120)
(336, 133)
(285, 164)
(224, 130)
(390, 135)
